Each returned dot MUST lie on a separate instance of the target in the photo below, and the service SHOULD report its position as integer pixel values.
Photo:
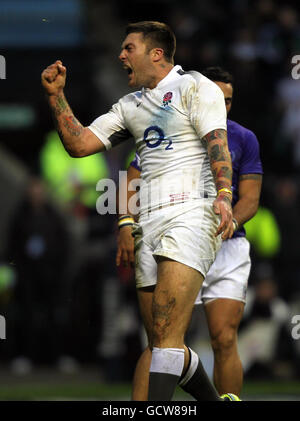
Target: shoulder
(235, 128)
(242, 139)
(198, 87)
(131, 98)
(125, 103)
(201, 82)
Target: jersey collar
(172, 75)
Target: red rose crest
(167, 98)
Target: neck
(162, 70)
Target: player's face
(136, 60)
(228, 92)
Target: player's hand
(54, 78)
(222, 207)
(125, 252)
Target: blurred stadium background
(72, 326)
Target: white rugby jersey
(168, 123)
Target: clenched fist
(54, 78)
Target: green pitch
(76, 390)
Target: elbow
(255, 208)
(77, 150)
(76, 153)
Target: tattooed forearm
(67, 126)
(220, 159)
(60, 106)
(217, 153)
(72, 125)
(223, 172)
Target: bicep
(91, 143)
(216, 140)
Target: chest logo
(167, 98)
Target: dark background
(64, 301)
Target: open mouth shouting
(129, 73)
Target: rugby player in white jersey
(178, 121)
(224, 289)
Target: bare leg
(223, 318)
(173, 301)
(141, 374)
(198, 386)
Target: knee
(223, 341)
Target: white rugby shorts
(183, 232)
(228, 275)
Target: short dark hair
(157, 34)
(217, 74)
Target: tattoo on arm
(222, 172)
(217, 153)
(214, 135)
(67, 125)
(219, 156)
(72, 125)
(61, 106)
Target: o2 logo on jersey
(159, 137)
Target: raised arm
(220, 162)
(79, 141)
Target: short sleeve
(206, 107)
(251, 162)
(110, 127)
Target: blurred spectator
(91, 269)
(287, 141)
(71, 180)
(286, 208)
(265, 317)
(244, 47)
(7, 288)
(38, 248)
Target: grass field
(87, 384)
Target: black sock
(165, 370)
(162, 386)
(198, 384)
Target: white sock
(192, 368)
(167, 360)
(165, 371)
